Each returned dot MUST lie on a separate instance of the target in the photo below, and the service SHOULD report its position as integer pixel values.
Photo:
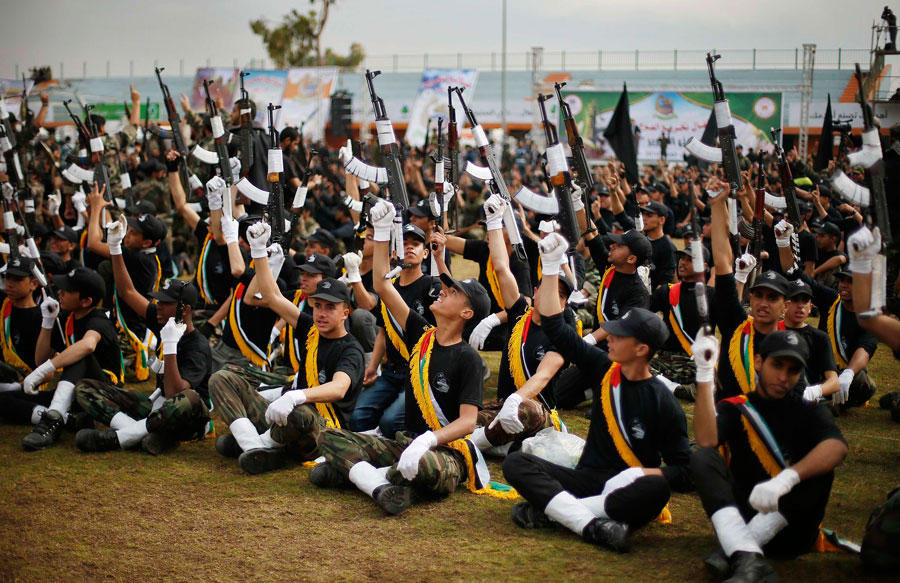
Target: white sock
(36, 414)
(480, 440)
(62, 398)
(567, 510)
(120, 421)
(367, 477)
(765, 526)
(597, 504)
(245, 434)
(4, 387)
(270, 394)
(500, 450)
(733, 533)
(131, 435)
(267, 440)
(671, 385)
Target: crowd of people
(358, 353)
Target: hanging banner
(11, 90)
(224, 85)
(678, 116)
(432, 100)
(307, 100)
(264, 87)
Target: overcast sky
(34, 32)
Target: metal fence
(600, 60)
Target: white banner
(307, 100)
(432, 100)
(887, 113)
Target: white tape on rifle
(247, 111)
(775, 201)
(542, 205)
(82, 174)
(732, 216)
(479, 172)
(850, 191)
(556, 160)
(32, 248)
(70, 177)
(697, 254)
(29, 206)
(96, 145)
(5, 145)
(439, 171)
(360, 169)
(218, 130)
(194, 182)
(879, 283)
(639, 222)
(255, 194)
(703, 152)
(204, 155)
(120, 202)
(512, 228)
(870, 152)
(276, 162)
(198, 208)
(394, 272)
(36, 272)
(723, 114)
(17, 166)
(363, 184)
(4, 249)
(82, 153)
(385, 132)
(4, 113)
(125, 180)
(353, 205)
(299, 198)
(8, 219)
(480, 137)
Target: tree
(296, 41)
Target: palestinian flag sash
(10, 356)
(478, 474)
(741, 354)
(835, 317)
(140, 347)
(605, 282)
(201, 277)
(69, 337)
(518, 366)
(258, 356)
(612, 381)
(294, 349)
(494, 283)
(394, 330)
(762, 443)
(676, 319)
(82, 245)
(326, 410)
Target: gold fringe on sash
(832, 333)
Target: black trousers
(571, 388)
(538, 481)
(16, 406)
(803, 507)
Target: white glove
(7, 190)
(508, 417)
(577, 201)
(812, 393)
(576, 298)
(589, 339)
(258, 238)
(639, 222)
(765, 495)
(743, 265)
(863, 246)
(705, 351)
(783, 232)
(550, 226)
(346, 152)
(115, 233)
(844, 380)
(553, 253)
(276, 259)
(482, 330)
(170, 334)
(409, 459)
(79, 201)
(494, 208)
(229, 229)
(53, 202)
(32, 381)
(280, 409)
(215, 190)
(351, 265)
(235, 169)
(49, 313)
(382, 217)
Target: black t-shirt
(255, 321)
(823, 256)
(418, 296)
(334, 355)
(107, 350)
(809, 248)
(24, 328)
(536, 347)
(655, 423)
(480, 252)
(659, 302)
(216, 267)
(144, 271)
(455, 376)
(662, 271)
(821, 356)
(194, 357)
(851, 335)
(797, 426)
(626, 290)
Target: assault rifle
(246, 131)
(174, 133)
(389, 149)
(75, 172)
(583, 172)
(452, 160)
(438, 203)
(560, 179)
(275, 207)
(787, 183)
(697, 263)
(101, 172)
(220, 156)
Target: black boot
(94, 440)
(717, 564)
(157, 443)
(751, 568)
(607, 533)
(45, 433)
(393, 499)
(526, 515)
(228, 446)
(261, 460)
(325, 475)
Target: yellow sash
(392, 333)
(205, 292)
(674, 300)
(254, 355)
(9, 351)
(605, 281)
(140, 348)
(517, 360)
(833, 334)
(326, 410)
(291, 343)
(741, 354)
(494, 283)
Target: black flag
(826, 141)
(711, 131)
(620, 136)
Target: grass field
(192, 515)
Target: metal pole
(675, 63)
(839, 59)
(61, 74)
(754, 59)
(17, 70)
(181, 67)
(636, 56)
(503, 81)
(107, 69)
(84, 69)
(563, 58)
(131, 68)
(599, 60)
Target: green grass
(192, 516)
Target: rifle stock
(389, 148)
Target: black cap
(785, 343)
(332, 290)
(566, 283)
(20, 267)
(636, 241)
(601, 190)
(411, 230)
(687, 251)
(318, 263)
(478, 296)
(289, 133)
(151, 165)
(659, 187)
(421, 209)
(171, 289)
(654, 207)
(149, 226)
(798, 287)
(141, 207)
(324, 237)
(38, 230)
(53, 263)
(66, 233)
(843, 272)
(86, 282)
(771, 280)
(641, 324)
(828, 228)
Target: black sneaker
(262, 460)
(157, 443)
(228, 446)
(94, 440)
(717, 564)
(393, 499)
(751, 568)
(78, 421)
(607, 533)
(526, 515)
(887, 401)
(325, 475)
(45, 433)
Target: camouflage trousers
(236, 395)
(441, 469)
(183, 417)
(675, 366)
(532, 414)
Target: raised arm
(382, 217)
(719, 221)
(124, 286)
(258, 237)
(179, 198)
(96, 204)
(509, 289)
